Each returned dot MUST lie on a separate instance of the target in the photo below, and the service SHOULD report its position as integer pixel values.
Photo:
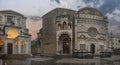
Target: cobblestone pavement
(114, 60)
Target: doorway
(66, 46)
(92, 48)
(9, 48)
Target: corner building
(14, 36)
(66, 31)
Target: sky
(35, 9)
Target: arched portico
(64, 44)
(12, 41)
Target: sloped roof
(57, 9)
(11, 12)
(90, 9)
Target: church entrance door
(92, 48)
(65, 44)
(9, 48)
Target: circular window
(92, 32)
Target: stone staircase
(16, 56)
(63, 56)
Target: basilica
(14, 37)
(66, 31)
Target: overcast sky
(35, 9)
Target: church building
(14, 36)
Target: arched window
(69, 25)
(64, 25)
(0, 29)
(59, 26)
(82, 37)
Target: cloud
(35, 18)
(109, 6)
(70, 4)
(116, 30)
(94, 3)
(57, 1)
(34, 10)
(33, 26)
(114, 22)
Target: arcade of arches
(13, 44)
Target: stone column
(14, 20)
(5, 47)
(19, 48)
(71, 47)
(4, 18)
(26, 47)
(57, 52)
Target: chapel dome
(90, 10)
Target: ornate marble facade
(91, 31)
(14, 37)
(66, 31)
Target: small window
(10, 19)
(0, 29)
(101, 47)
(59, 26)
(69, 24)
(82, 46)
(119, 41)
(0, 18)
(0, 48)
(64, 25)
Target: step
(17, 56)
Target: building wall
(49, 31)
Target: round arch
(23, 42)
(64, 43)
(64, 33)
(12, 33)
